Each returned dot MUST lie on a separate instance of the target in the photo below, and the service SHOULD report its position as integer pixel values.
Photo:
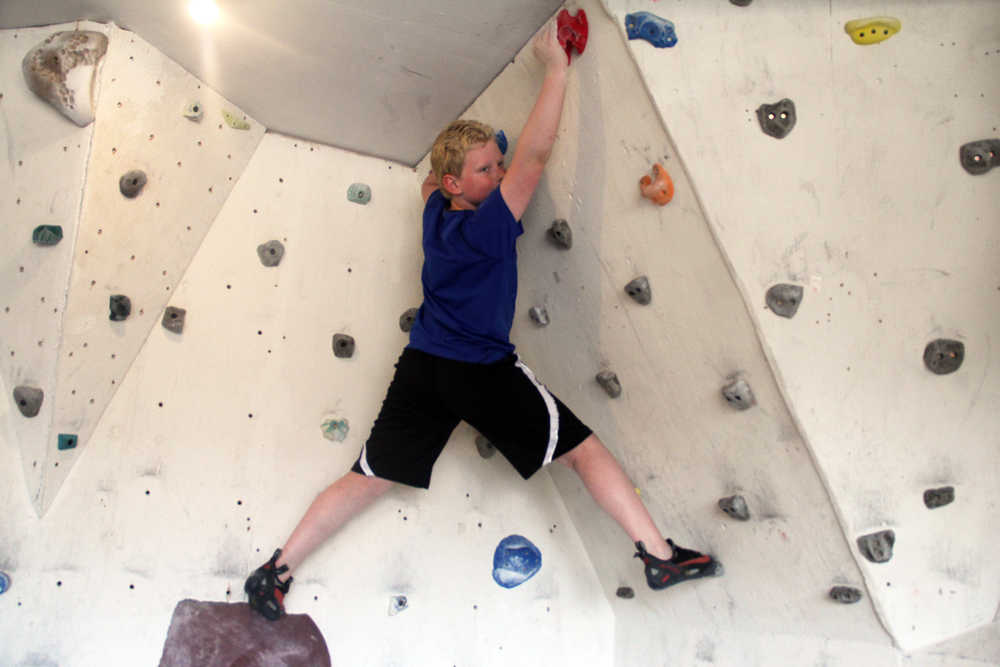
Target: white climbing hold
(62, 70)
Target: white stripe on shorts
(364, 462)
(553, 412)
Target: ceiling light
(204, 11)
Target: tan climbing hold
(62, 70)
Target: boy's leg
(267, 586)
(328, 512)
(615, 493)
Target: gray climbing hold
(625, 593)
(485, 447)
(407, 319)
(29, 400)
(359, 193)
(343, 346)
(132, 183)
(943, 356)
(741, 3)
(398, 603)
(609, 381)
(47, 235)
(67, 441)
(978, 157)
(270, 253)
(736, 507)
(738, 394)
(121, 307)
(561, 234)
(194, 111)
(173, 319)
(784, 299)
(539, 315)
(877, 547)
(934, 498)
(640, 290)
(62, 70)
(777, 119)
(845, 594)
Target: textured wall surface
(865, 205)
(210, 446)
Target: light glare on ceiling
(205, 12)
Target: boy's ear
(450, 184)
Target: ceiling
(378, 77)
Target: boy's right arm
(539, 134)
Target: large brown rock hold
(62, 70)
(203, 634)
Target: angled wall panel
(138, 247)
(866, 206)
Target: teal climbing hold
(67, 441)
(335, 429)
(46, 235)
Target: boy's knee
(580, 452)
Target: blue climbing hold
(515, 561)
(502, 142)
(4, 582)
(657, 31)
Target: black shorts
(430, 395)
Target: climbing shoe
(266, 591)
(683, 565)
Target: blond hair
(450, 147)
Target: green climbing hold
(234, 122)
(67, 441)
(46, 235)
(359, 193)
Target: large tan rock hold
(231, 634)
(62, 70)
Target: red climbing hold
(572, 31)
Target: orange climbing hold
(657, 188)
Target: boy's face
(481, 174)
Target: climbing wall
(216, 437)
(219, 436)
(865, 206)
(163, 159)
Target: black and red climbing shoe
(685, 564)
(266, 591)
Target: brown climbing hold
(658, 188)
(217, 633)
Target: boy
(460, 364)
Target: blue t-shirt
(469, 279)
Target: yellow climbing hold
(637, 491)
(234, 122)
(872, 30)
